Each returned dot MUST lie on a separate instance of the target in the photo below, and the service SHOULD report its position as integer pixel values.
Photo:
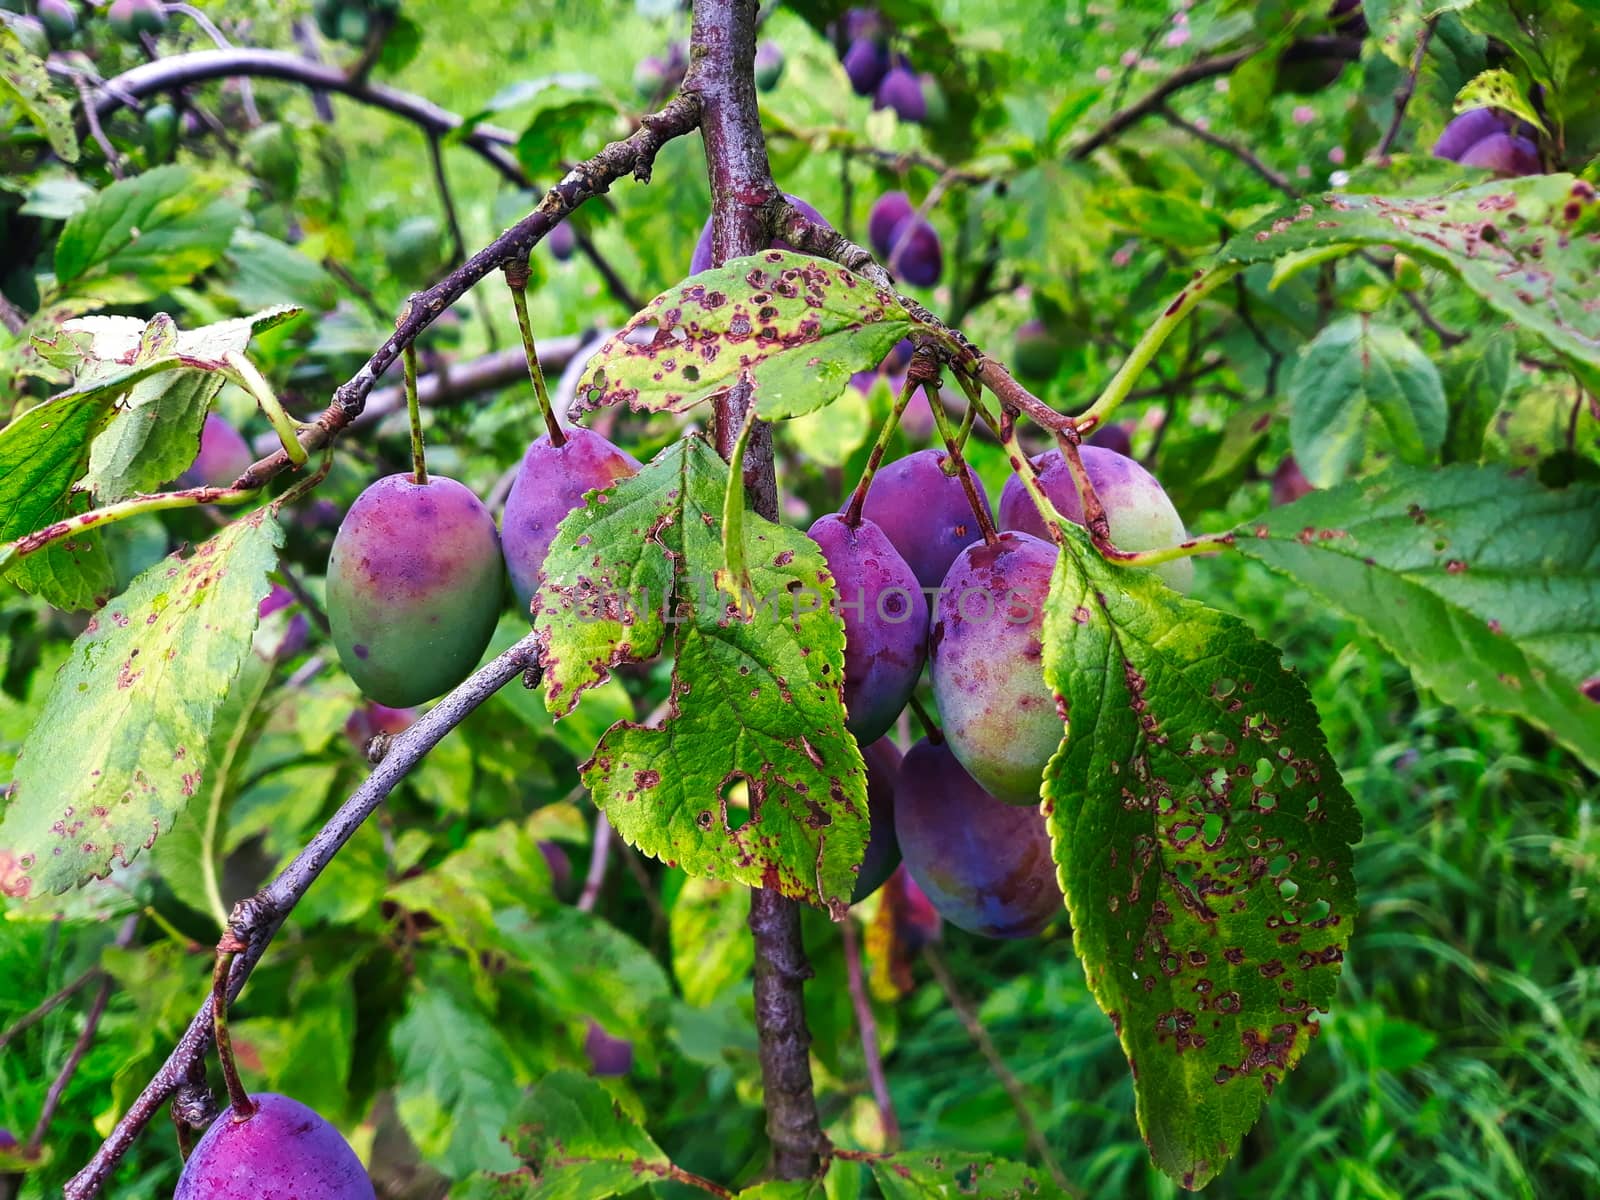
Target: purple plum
(885, 619)
(607, 1055)
(890, 210)
(298, 629)
(224, 455)
(769, 65)
(368, 721)
(882, 855)
(562, 242)
(986, 659)
(1138, 511)
(1507, 155)
(281, 1150)
(1467, 130)
(984, 865)
(414, 584)
(901, 91)
(550, 483)
(916, 255)
(1117, 437)
(866, 62)
(924, 512)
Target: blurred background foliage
(440, 965)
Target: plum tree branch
(256, 921)
(722, 74)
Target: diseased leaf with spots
(1359, 377)
(1203, 839)
(145, 234)
(755, 713)
(1528, 247)
(43, 452)
(795, 327)
(1484, 583)
(948, 1175)
(575, 1143)
(120, 745)
(25, 81)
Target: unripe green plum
(986, 658)
(269, 152)
(1038, 351)
(414, 584)
(130, 18)
(550, 483)
(160, 132)
(1138, 511)
(985, 866)
(59, 19)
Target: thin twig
(1012, 1085)
(96, 131)
(257, 920)
(599, 856)
(47, 1006)
(1408, 87)
(867, 1024)
(1243, 153)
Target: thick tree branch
(257, 920)
(721, 74)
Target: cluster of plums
(54, 22)
(904, 239)
(963, 810)
(875, 70)
(1490, 139)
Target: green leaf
(152, 232)
(952, 1175)
(1484, 583)
(1476, 377)
(1203, 839)
(43, 452)
(1498, 88)
(25, 81)
(711, 948)
(1356, 370)
(576, 1144)
(755, 709)
(120, 746)
(1169, 217)
(796, 328)
(1527, 247)
(455, 1089)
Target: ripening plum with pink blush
(550, 483)
(885, 619)
(224, 455)
(984, 865)
(986, 659)
(414, 585)
(283, 1151)
(1138, 511)
(924, 512)
(702, 259)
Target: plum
(607, 1055)
(368, 721)
(924, 512)
(885, 622)
(769, 65)
(866, 62)
(550, 483)
(59, 19)
(282, 1149)
(984, 865)
(298, 629)
(901, 92)
(702, 259)
(890, 210)
(916, 255)
(1137, 509)
(1038, 352)
(1507, 155)
(224, 455)
(560, 867)
(882, 855)
(899, 357)
(130, 18)
(414, 584)
(562, 242)
(1117, 436)
(986, 658)
(1289, 483)
(1467, 130)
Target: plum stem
(858, 498)
(245, 374)
(930, 728)
(1023, 469)
(952, 443)
(228, 948)
(419, 456)
(517, 280)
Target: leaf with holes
(1203, 839)
(1484, 583)
(121, 744)
(1528, 247)
(1359, 376)
(756, 715)
(796, 328)
(948, 1175)
(576, 1143)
